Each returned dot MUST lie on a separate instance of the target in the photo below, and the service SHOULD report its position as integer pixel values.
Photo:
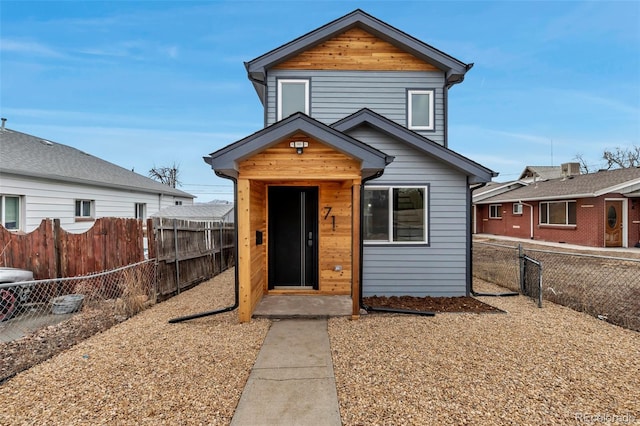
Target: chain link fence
(118, 294)
(606, 287)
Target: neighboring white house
(43, 179)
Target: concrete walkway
(292, 381)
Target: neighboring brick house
(350, 188)
(599, 209)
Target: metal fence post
(522, 266)
(540, 285)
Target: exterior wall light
(299, 145)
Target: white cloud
(29, 48)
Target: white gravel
(528, 366)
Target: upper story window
(495, 211)
(293, 96)
(420, 109)
(84, 209)
(10, 212)
(395, 214)
(141, 211)
(558, 213)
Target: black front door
(293, 237)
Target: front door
(293, 237)
(613, 224)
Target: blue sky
(152, 83)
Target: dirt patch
(430, 304)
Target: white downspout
(531, 219)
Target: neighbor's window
(293, 96)
(558, 213)
(141, 211)
(517, 208)
(178, 203)
(84, 209)
(420, 109)
(10, 212)
(495, 211)
(395, 215)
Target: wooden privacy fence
(189, 252)
(51, 252)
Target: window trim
(566, 213)
(307, 103)
(498, 208)
(517, 208)
(3, 212)
(83, 218)
(432, 103)
(390, 242)
(137, 214)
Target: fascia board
(227, 158)
(539, 198)
(627, 186)
(100, 184)
(477, 172)
(361, 19)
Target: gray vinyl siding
(436, 269)
(337, 94)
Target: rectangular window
(84, 209)
(293, 96)
(517, 208)
(558, 213)
(395, 215)
(141, 211)
(10, 212)
(495, 211)
(178, 203)
(420, 109)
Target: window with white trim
(84, 209)
(558, 213)
(517, 208)
(495, 211)
(293, 96)
(395, 215)
(11, 212)
(141, 211)
(420, 109)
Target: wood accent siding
(356, 49)
(318, 162)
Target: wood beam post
(245, 310)
(355, 250)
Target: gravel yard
(528, 366)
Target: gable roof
(623, 181)
(495, 188)
(225, 160)
(32, 156)
(475, 171)
(541, 172)
(256, 68)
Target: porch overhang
(225, 161)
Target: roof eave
(454, 68)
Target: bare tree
(584, 167)
(166, 175)
(622, 158)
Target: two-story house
(350, 188)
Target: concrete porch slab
(303, 306)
